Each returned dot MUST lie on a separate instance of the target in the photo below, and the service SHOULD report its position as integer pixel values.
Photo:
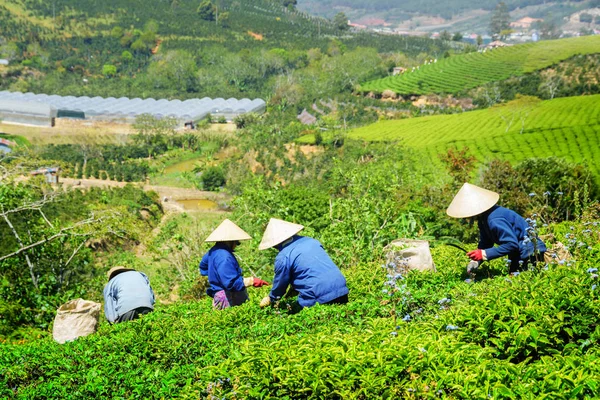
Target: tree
(551, 85)
(586, 18)
(500, 20)
(207, 10)
(290, 4)
(479, 40)
(340, 21)
(9, 51)
(445, 35)
(126, 56)
(109, 70)
(457, 37)
(176, 69)
(213, 178)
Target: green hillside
(518, 337)
(462, 72)
(566, 127)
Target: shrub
(213, 178)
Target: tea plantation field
(525, 128)
(462, 72)
(530, 336)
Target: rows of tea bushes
(458, 73)
(567, 127)
(528, 336)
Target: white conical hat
(227, 232)
(278, 231)
(471, 200)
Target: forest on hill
(180, 50)
(357, 170)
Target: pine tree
(500, 19)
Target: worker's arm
(281, 280)
(110, 302)
(507, 239)
(203, 267)
(485, 240)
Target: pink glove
(259, 282)
(476, 255)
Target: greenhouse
(26, 113)
(125, 109)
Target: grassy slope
(455, 74)
(516, 337)
(565, 127)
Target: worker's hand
(472, 267)
(259, 282)
(265, 302)
(249, 281)
(476, 255)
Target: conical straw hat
(278, 231)
(227, 232)
(471, 200)
(116, 271)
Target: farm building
(51, 174)
(5, 145)
(126, 110)
(306, 118)
(26, 112)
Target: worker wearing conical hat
(303, 264)
(499, 226)
(127, 295)
(227, 286)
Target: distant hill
(430, 15)
(456, 74)
(431, 7)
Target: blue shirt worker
(227, 286)
(127, 295)
(499, 226)
(303, 264)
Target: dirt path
(168, 195)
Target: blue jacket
(508, 230)
(222, 269)
(125, 292)
(304, 264)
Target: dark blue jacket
(508, 230)
(222, 269)
(304, 264)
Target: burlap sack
(410, 254)
(558, 254)
(75, 318)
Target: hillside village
(280, 199)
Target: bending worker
(497, 225)
(127, 295)
(227, 286)
(302, 263)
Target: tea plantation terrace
(17, 107)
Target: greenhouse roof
(192, 109)
(26, 108)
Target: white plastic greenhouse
(125, 109)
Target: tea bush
(527, 336)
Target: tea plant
(566, 128)
(455, 74)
